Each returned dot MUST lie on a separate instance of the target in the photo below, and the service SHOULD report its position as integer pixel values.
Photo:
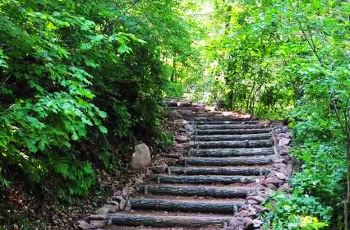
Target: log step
(230, 131)
(207, 191)
(216, 118)
(231, 144)
(203, 206)
(218, 171)
(259, 136)
(226, 161)
(230, 152)
(167, 220)
(222, 122)
(203, 179)
(232, 126)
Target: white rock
(141, 158)
(284, 141)
(281, 176)
(181, 138)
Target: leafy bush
(289, 60)
(77, 79)
(165, 139)
(295, 212)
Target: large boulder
(141, 158)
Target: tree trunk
(347, 199)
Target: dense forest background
(81, 81)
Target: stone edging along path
(221, 169)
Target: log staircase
(210, 183)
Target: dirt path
(229, 166)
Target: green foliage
(77, 77)
(287, 60)
(80, 176)
(295, 212)
(165, 139)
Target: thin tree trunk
(347, 200)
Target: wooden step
(226, 152)
(259, 136)
(167, 220)
(219, 171)
(226, 161)
(206, 191)
(232, 126)
(203, 179)
(231, 144)
(230, 131)
(186, 205)
(222, 122)
(215, 118)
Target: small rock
(271, 180)
(181, 138)
(102, 210)
(270, 186)
(82, 224)
(189, 127)
(181, 146)
(122, 205)
(283, 150)
(283, 135)
(280, 166)
(242, 213)
(280, 160)
(97, 223)
(141, 158)
(240, 223)
(252, 211)
(117, 193)
(252, 202)
(183, 130)
(117, 198)
(113, 208)
(281, 176)
(258, 198)
(160, 168)
(260, 208)
(257, 223)
(284, 141)
(286, 187)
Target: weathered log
(230, 131)
(206, 118)
(218, 171)
(203, 179)
(231, 144)
(204, 206)
(258, 136)
(225, 161)
(232, 126)
(221, 122)
(195, 191)
(230, 152)
(159, 220)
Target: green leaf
(103, 129)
